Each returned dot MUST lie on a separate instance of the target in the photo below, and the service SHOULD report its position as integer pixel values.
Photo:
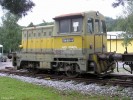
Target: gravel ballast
(91, 89)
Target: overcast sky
(48, 9)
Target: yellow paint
(37, 43)
(89, 40)
(57, 42)
(120, 48)
(79, 42)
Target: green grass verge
(12, 89)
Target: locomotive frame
(75, 44)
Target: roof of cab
(71, 15)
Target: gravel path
(91, 89)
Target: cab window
(70, 25)
(97, 26)
(76, 25)
(64, 26)
(103, 27)
(90, 25)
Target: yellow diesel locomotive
(75, 44)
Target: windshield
(70, 25)
(90, 25)
(103, 27)
(100, 26)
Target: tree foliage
(46, 23)
(125, 22)
(111, 24)
(41, 24)
(31, 25)
(10, 33)
(118, 2)
(17, 7)
(126, 40)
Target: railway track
(112, 79)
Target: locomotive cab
(80, 38)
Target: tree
(45, 23)
(125, 22)
(10, 32)
(126, 26)
(111, 23)
(118, 2)
(31, 25)
(17, 7)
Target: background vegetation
(10, 32)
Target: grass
(12, 89)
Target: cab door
(99, 36)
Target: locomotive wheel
(72, 70)
(32, 69)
